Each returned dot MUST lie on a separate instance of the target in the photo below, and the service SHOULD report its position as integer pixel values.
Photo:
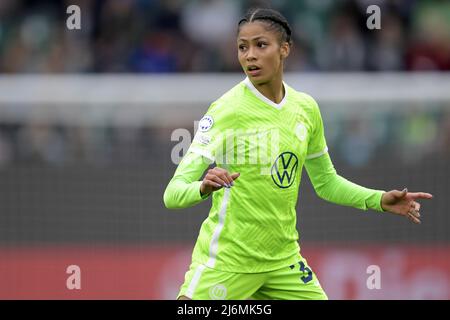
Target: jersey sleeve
(183, 189)
(317, 145)
(211, 131)
(334, 188)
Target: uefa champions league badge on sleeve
(205, 123)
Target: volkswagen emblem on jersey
(205, 123)
(284, 169)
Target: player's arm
(327, 183)
(183, 189)
(332, 187)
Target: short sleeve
(317, 145)
(211, 131)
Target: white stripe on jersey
(215, 238)
(318, 154)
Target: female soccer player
(248, 245)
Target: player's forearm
(334, 188)
(181, 194)
(183, 190)
(343, 192)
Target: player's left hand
(404, 203)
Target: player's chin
(257, 79)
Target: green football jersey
(251, 226)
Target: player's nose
(251, 54)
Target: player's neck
(273, 90)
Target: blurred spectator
(40, 142)
(418, 136)
(155, 54)
(386, 52)
(359, 142)
(430, 45)
(211, 25)
(408, 136)
(199, 35)
(210, 22)
(116, 27)
(344, 47)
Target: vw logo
(284, 169)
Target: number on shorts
(303, 268)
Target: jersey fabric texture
(251, 227)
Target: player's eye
(262, 44)
(242, 47)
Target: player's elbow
(168, 199)
(321, 194)
(322, 191)
(324, 184)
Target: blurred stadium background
(86, 137)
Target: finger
(223, 183)
(224, 175)
(400, 194)
(413, 219)
(415, 205)
(421, 195)
(229, 178)
(236, 175)
(409, 217)
(218, 180)
(414, 213)
(212, 184)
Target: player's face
(260, 53)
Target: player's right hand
(217, 178)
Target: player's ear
(285, 49)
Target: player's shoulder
(226, 103)
(303, 100)
(222, 110)
(302, 97)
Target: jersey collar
(261, 97)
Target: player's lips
(253, 70)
